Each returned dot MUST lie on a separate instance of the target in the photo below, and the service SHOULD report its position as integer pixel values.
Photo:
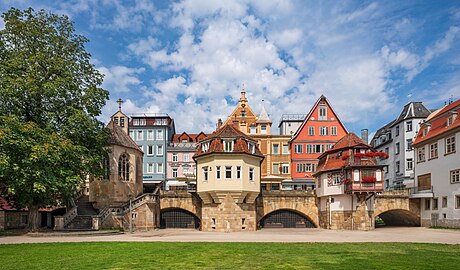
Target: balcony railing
(416, 190)
(363, 187)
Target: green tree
(49, 86)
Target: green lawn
(117, 255)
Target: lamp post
(130, 216)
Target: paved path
(395, 234)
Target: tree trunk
(34, 218)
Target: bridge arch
(175, 217)
(286, 218)
(399, 217)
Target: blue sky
(190, 58)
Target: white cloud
(120, 79)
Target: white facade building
(437, 171)
(396, 139)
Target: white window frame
(228, 146)
(150, 167)
(175, 157)
(228, 169)
(186, 157)
(277, 152)
(409, 164)
(205, 173)
(160, 150)
(285, 149)
(159, 135)
(218, 173)
(298, 148)
(285, 168)
(421, 154)
(433, 153)
(450, 145)
(150, 135)
(409, 126)
(275, 168)
(150, 150)
(238, 172)
(334, 131)
(140, 135)
(455, 176)
(174, 172)
(322, 112)
(160, 166)
(311, 131)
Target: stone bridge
(300, 201)
(180, 200)
(395, 208)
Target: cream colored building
(228, 180)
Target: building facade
(275, 169)
(396, 139)
(348, 176)
(319, 131)
(289, 123)
(437, 171)
(228, 180)
(181, 169)
(152, 133)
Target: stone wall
(2, 220)
(228, 216)
(441, 222)
(14, 219)
(182, 200)
(303, 202)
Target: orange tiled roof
(439, 123)
(192, 137)
(228, 132)
(341, 155)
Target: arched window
(123, 167)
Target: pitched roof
(228, 132)
(333, 158)
(263, 116)
(193, 137)
(119, 137)
(412, 110)
(307, 118)
(438, 123)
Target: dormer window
(251, 148)
(205, 147)
(450, 120)
(228, 146)
(252, 129)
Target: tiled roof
(439, 123)
(341, 154)
(228, 132)
(412, 110)
(5, 205)
(119, 137)
(193, 137)
(348, 141)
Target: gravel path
(390, 234)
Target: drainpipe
(330, 212)
(352, 213)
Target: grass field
(120, 255)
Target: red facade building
(320, 130)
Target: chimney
(219, 123)
(365, 135)
(236, 124)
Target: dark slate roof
(381, 131)
(412, 110)
(119, 137)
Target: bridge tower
(348, 177)
(228, 180)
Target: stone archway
(286, 218)
(178, 218)
(400, 217)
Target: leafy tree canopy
(50, 96)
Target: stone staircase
(84, 219)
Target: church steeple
(119, 118)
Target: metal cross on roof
(119, 101)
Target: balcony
(421, 192)
(354, 187)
